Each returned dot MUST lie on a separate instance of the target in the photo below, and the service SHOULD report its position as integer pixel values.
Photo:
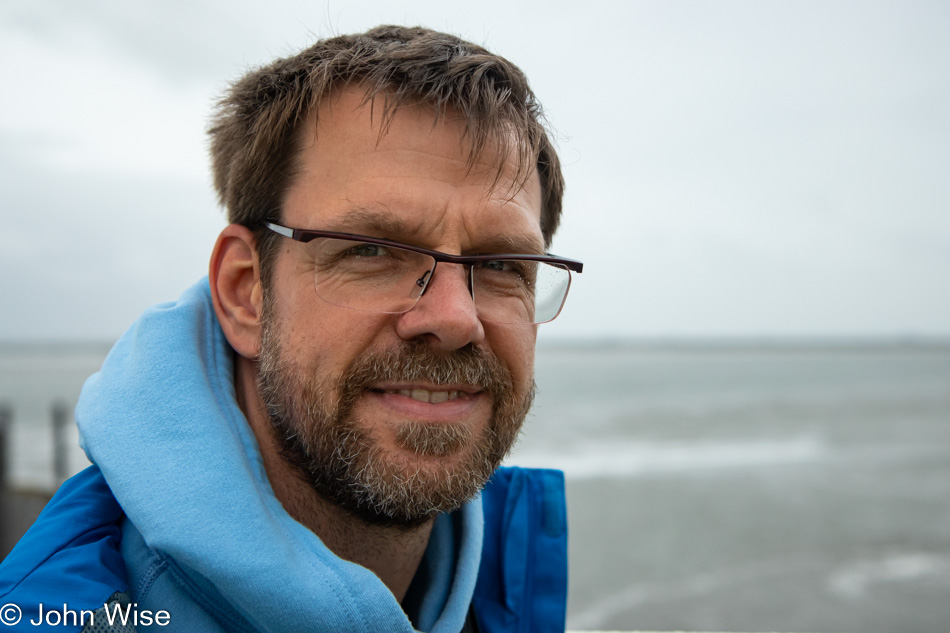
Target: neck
(392, 553)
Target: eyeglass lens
(380, 278)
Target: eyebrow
(376, 223)
(370, 222)
(514, 244)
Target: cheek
(321, 339)
(329, 339)
(514, 347)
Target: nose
(445, 314)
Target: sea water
(739, 487)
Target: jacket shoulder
(522, 579)
(71, 553)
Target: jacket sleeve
(522, 579)
(69, 559)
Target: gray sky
(733, 168)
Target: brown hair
(254, 139)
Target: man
(300, 441)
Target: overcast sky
(733, 168)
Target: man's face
(398, 417)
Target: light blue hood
(161, 422)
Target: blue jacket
(178, 514)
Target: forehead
(417, 169)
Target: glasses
(377, 275)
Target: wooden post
(60, 466)
(6, 418)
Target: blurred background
(749, 389)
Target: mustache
(416, 361)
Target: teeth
(424, 395)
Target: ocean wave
(855, 579)
(637, 458)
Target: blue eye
(365, 250)
(496, 266)
(502, 266)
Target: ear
(235, 278)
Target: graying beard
(433, 439)
(344, 464)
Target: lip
(469, 403)
(401, 386)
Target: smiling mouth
(426, 395)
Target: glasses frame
(308, 235)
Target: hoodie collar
(162, 423)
